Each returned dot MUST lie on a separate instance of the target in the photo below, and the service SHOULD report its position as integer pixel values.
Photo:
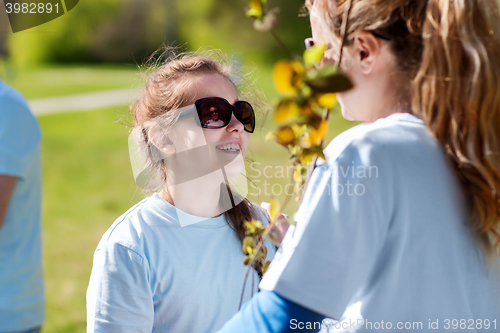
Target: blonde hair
(167, 89)
(451, 51)
(168, 86)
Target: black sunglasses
(216, 112)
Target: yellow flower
(327, 100)
(288, 77)
(285, 136)
(286, 111)
(256, 9)
(316, 135)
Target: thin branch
(325, 115)
(244, 282)
(282, 45)
(253, 278)
(259, 245)
(287, 198)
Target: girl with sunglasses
(415, 244)
(174, 261)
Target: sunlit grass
(49, 81)
(87, 185)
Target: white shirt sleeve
(341, 226)
(119, 297)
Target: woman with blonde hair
(414, 246)
(174, 261)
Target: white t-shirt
(382, 241)
(152, 275)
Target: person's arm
(7, 186)
(268, 312)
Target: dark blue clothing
(268, 312)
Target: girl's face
(226, 147)
(215, 85)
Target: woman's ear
(161, 140)
(367, 48)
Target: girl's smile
(233, 147)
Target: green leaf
(256, 9)
(252, 13)
(275, 208)
(319, 152)
(266, 266)
(299, 173)
(248, 242)
(314, 55)
(296, 150)
(327, 79)
(286, 110)
(270, 136)
(308, 154)
(316, 134)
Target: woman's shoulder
(389, 138)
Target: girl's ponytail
(456, 91)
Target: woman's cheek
(343, 107)
(211, 135)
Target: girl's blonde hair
(450, 50)
(168, 88)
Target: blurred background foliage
(127, 31)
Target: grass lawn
(59, 80)
(87, 184)
(52, 80)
